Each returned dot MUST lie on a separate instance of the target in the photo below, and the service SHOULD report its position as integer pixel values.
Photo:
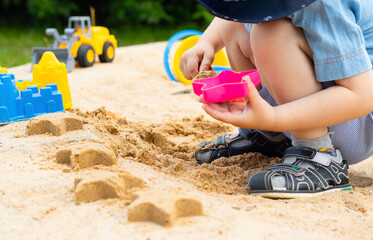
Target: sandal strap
(242, 133)
(243, 141)
(298, 178)
(245, 133)
(319, 177)
(307, 154)
(221, 140)
(289, 168)
(301, 152)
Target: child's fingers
(223, 116)
(206, 63)
(201, 99)
(253, 92)
(192, 69)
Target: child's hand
(255, 114)
(197, 59)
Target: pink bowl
(226, 86)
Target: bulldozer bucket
(62, 54)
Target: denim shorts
(340, 34)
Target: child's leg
(236, 40)
(313, 166)
(237, 45)
(285, 62)
(281, 44)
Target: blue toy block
(22, 105)
(8, 93)
(23, 80)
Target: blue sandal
(244, 141)
(303, 172)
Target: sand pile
(126, 170)
(205, 74)
(156, 146)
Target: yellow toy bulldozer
(81, 42)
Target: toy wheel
(86, 56)
(108, 53)
(173, 39)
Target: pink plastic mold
(227, 86)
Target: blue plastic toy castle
(18, 105)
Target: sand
(120, 165)
(205, 74)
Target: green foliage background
(112, 13)
(23, 22)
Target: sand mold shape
(86, 154)
(100, 185)
(163, 207)
(54, 123)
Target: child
(315, 61)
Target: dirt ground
(147, 127)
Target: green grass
(16, 43)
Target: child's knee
(229, 30)
(236, 41)
(267, 38)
